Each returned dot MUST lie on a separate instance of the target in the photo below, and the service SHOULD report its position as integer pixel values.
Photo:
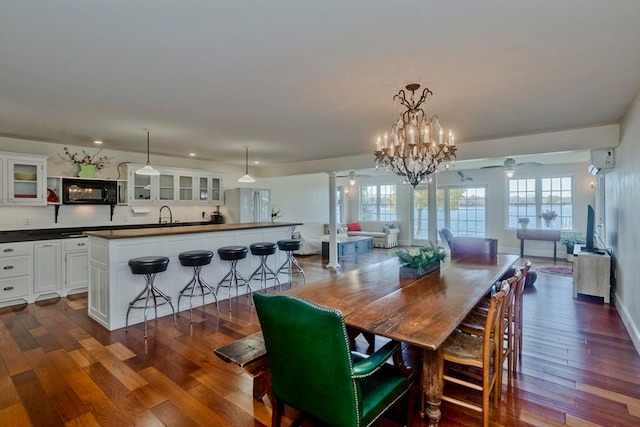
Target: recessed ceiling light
(192, 154)
(256, 162)
(97, 141)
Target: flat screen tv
(591, 224)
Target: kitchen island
(112, 286)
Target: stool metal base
(232, 277)
(265, 273)
(151, 292)
(205, 289)
(287, 267)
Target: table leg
(432, 383)
(554, 251)
(521, 248)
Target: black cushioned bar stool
(233, 254)
(291, 262)
(196, 259)
(149, 266)
(264, 272)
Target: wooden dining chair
(518, 320)
(314, 371)
(466, 354)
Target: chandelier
(417, 146)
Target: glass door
(185, 189)
(141, 188)
(166, 188)
(25, 182)
(420, 215)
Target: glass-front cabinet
(174, 185)
(185, 188)
(210, 189)
(24, 179)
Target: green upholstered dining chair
(314, 371)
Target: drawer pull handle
(81, 244)
(9, 267)
(8, 250)
(47, 246)
(8, 288)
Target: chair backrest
(492, 327)
(310, 358)
(446, 236)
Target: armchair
(314, 371)
(476, 247)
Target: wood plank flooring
(58, 367)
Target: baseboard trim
(632, 328)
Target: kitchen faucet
(160, 215)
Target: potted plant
(524, 222)
(87, 163)
(570, 240)
(275, 213)
(548, 216)
(416, 262)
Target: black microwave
(89, 192)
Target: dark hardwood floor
(58, 367)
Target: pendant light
(246, 177)
(147, 170)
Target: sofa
(384, 233)
(311, 235)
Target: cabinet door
(47, 266)
(166, 187)
(186, 190)
(216, 191)
(26, 182)
(140, 188)
(77, 270)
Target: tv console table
(591, 273)
(536, 234)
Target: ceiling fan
(352, 176)
(509, 166)
(464, 177)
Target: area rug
(558, 271)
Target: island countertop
(175, 230)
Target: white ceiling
(300, 81)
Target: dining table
(420, 312)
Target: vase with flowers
(417, 262)
(524, 222)
(88, 163)
(548, 216)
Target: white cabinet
(174, 186)
(24, 178)
(76, 263)
(47, 266)
(209, 190)
(15, 270)
(591, 274)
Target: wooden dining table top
(422, 312)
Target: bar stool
(149, 266)
(233, 254)
(263, 250)
(291, 262)
(196, 259)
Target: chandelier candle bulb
(441, 137)
(386, 140)
(378, 144)
(411, 136)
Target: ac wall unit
(601, 161)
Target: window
(463, 210)
(378, 202)
(532, 196)
(460, 209)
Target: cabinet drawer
(79, 244)
(13, 249)
(15, 266)
(14, 288)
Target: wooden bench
(251, 355)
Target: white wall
(301, 198)
(622, 201)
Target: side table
(536, 234)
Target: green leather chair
(314, 370)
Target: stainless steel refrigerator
(248, 204)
